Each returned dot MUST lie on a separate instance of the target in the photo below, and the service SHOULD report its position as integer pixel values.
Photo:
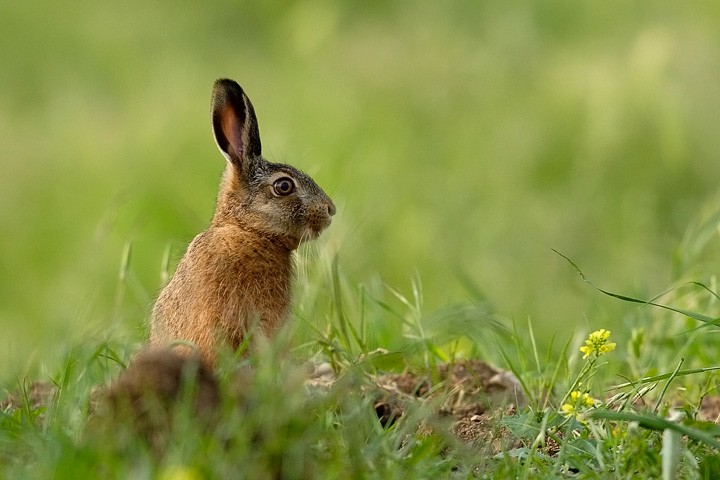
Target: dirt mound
(470, 393)
(34, 395)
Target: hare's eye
(283, 186)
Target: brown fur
(237, 273)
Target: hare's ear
(234, 123)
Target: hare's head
(273, 199)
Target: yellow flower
(583, 399)
(568, 410)
(577, 403)
(597, 343)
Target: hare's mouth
(313, 232)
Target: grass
(462, 144)
(627, 403)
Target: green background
(459, 140)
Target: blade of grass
(663, 376)
(556, 373)
(697, 316)
(531, 332)
(344, 323)
(667, 385)
(657, 423)
(515, 371)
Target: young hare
(237, 273)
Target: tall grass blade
(656, 378)
(344, 324)
(687, 313)
(657, 423)
(667, 385)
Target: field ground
(609, 406)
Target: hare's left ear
(234, 123)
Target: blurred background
(461, 143)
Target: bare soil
(468, 398)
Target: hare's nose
(331, 208)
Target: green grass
(462, 144)
(665, 364)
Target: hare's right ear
(234, 123)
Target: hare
(237, 274)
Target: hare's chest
(257, 289)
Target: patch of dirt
(471, 393)
(39, 393)
(710, 409)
